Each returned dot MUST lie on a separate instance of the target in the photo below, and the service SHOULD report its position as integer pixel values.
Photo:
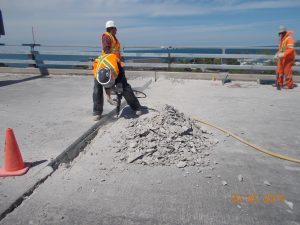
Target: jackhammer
(118, 90)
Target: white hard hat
(110, 23)
(281, 29)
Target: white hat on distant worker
(110, 23)
(282, 29)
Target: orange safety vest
(115, 45)
(109, 61)
(286, 45)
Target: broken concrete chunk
(267, 183)
(181, 164)
(289, 204)
(224, 182)
(151, 150)
(204, 130)
(133, 144)
(166, 138)
(240, 177)
(134, 156)
(215, 141)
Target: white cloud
(75, 21)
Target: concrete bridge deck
(49, 113)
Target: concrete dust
(165, 138)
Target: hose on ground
(139, 92)
(258, 148)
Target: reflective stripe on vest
(111, 68)
(283, 45)
(103, 60)
(100, 61)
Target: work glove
(112, 101)
(280, 55)
(275, 57)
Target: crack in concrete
(68, 155)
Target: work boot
(138, 112)
(96, 117)
(141, 110)
(112, 101)
(277, 85)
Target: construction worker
(108, 73)
(285, 57)
(110, 43)
(111, 46)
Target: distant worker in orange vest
(285, 57)
(108, 71)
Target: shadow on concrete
(43, 70)
(36, 163)
(128, 113)
(10, 82)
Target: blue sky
(150, 22)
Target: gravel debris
(240, 177)
(181, 164)
(159, 181)
(224, 182)
(166, 138)
(289, 204)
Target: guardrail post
(32, 53)
(169, 61)
(223, 61)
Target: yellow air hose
(268, 152)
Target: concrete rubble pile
(167, 138)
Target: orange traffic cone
(13, 162)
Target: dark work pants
(97, 98)
(128, 94)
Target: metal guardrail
(34, 57)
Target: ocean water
(204, 51)
(152, 50)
